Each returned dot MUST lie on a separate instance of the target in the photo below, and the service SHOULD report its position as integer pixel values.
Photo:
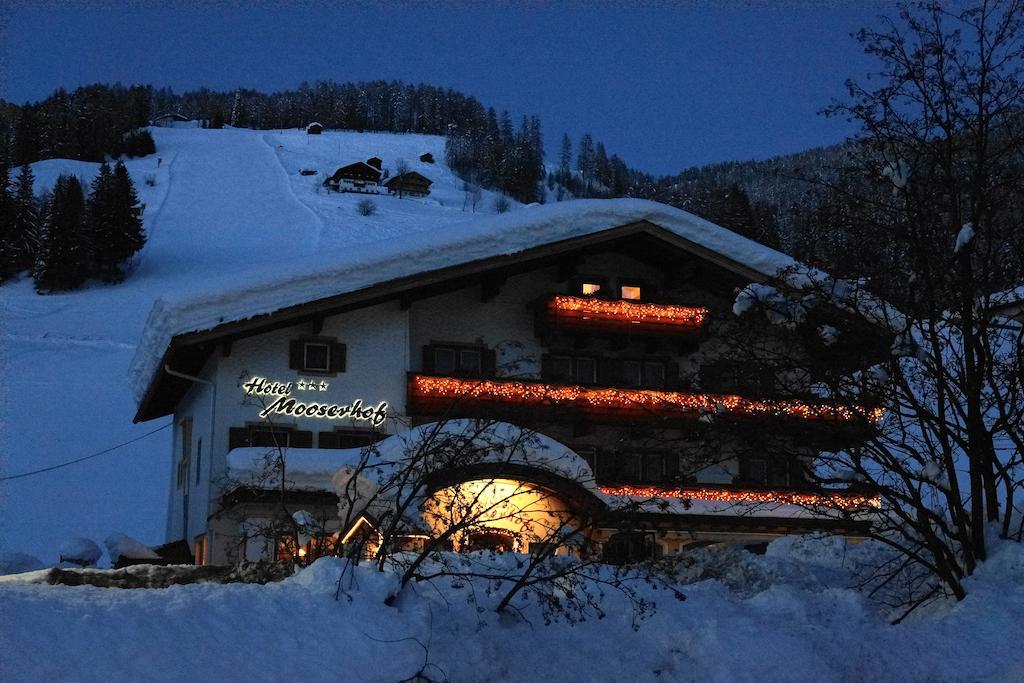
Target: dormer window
(630, 292)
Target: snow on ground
(787, 615)
(226, 205)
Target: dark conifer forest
(797, 203)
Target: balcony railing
(584, 314)
(430, 395)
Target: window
(460, 360)
(469, 362)
(571, 369)
(444, 361)
(270, 437)
(589, 285)
(654, 467)
(756, 472)
(316, 356)
(627, 547)
(200, 550)
(735, 377)
(638, 374)
(349, 438)
(185, 452)
(630, 292)
(654, 374)
(632, 373)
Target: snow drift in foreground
(783, 616)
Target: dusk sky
(665, 86)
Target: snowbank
(787, 615)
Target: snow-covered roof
(242, 295)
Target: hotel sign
(284, 403)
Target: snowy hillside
(784, 616)
(225, 204)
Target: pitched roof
(409, 176)
(247, 301)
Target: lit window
(200, 550)
(590, 288)
(317, 356)
(630, 292)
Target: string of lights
(842, 500)
(597, 399)
(575, 310)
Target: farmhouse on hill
(603, 328)
(409, 183)
(171, 120)
(362, 176)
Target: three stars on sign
(303, 385)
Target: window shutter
(301, 439)
(295, 359)
(428, 359)
(488, 362)
(238, 437)
(338, 357)
(328, 440)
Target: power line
(87, 457)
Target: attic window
(630, 292)
(316, 356)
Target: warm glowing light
(625, 401)
(569, 311)
(843, 500)
(590, 288)
(631, 293)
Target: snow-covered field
(226, 205)
(786, 616)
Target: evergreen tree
(6, 218)
(21, 237)
(62, 262)
(565, 159)
(585, 160)
(126, 235)
(26, 136)
(102, 229)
